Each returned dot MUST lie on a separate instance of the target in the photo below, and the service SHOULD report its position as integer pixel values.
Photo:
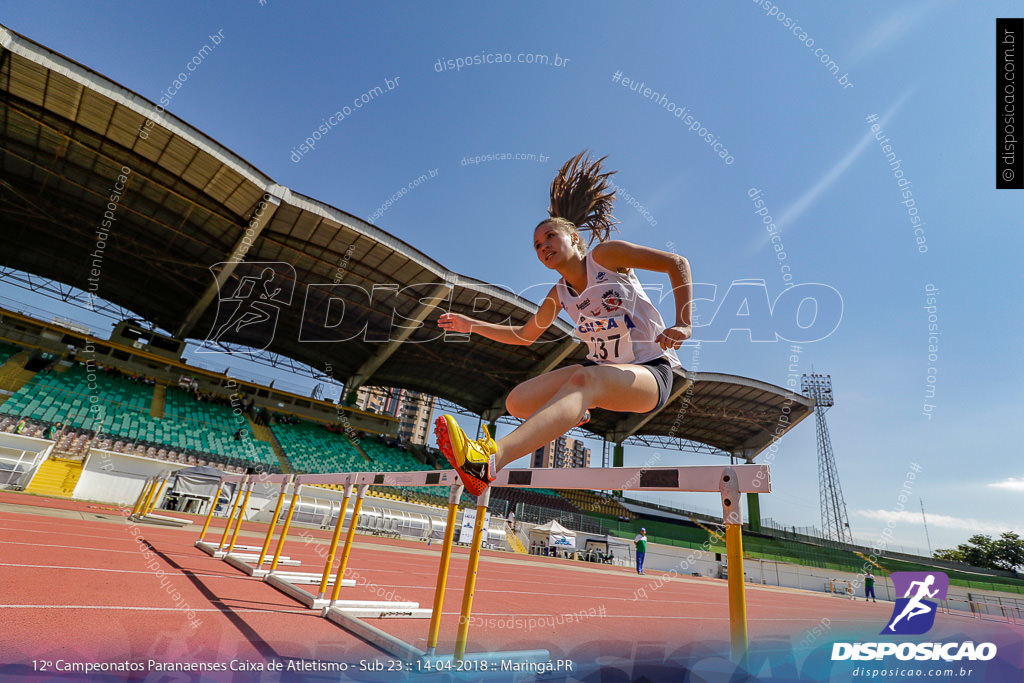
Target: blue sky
(794, 131)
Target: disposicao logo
(914, 614)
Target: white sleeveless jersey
(615, 317)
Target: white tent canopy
(554, 534)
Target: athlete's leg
(528, 397)
(620, 388)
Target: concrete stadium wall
(117, 478)
(25, 443)
(35, 451)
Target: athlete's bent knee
(514, 407)
(579, 379)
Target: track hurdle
(152, 489)
(258, 570)
(209, 516)
(143, 495)
(143, 505)
(728, 481)
(240, 556)
(287, 582)
(442, 572)
(244, 556)
(218, 549)
(159, 492)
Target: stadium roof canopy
(102, 190)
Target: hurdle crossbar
(698, 478)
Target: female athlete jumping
(632, 352)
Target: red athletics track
(75, 586)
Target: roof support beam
(261, 216)
(400, 334)
(634, 422)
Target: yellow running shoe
(472, 459)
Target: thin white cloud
(797, 208)
(944, 521)
(1011, 484)
(794, 211)
(890, 30)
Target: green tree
(1006, 553)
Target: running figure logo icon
(249, 304)
(914, 614)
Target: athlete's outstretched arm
(621, 255)
(521, 335)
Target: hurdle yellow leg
(149, 496)
(732, 515)
(737, 597)
(143, 494)
(144, 510)
(334, 542)
(442, 571)
(287, 525)
(213, 506)
(273, 522)
(348, 542)
(159, 491)
(474, 563)
(241, 515)
(231, 517)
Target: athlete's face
(553, 245)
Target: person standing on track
(631, 350)
(869, 586)
(641, 550)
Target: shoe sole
(473, 485)
(442, 423)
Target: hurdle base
(162, 520)
(241, 563)
(383, 641)
(282, 581)
(351, 619)
(372, 609)
(215, 550)
(254, 557)
(211, 549)
(310, 578)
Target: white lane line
(172, 571)
(81, 547)
(160, 609)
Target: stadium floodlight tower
(834, 521)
